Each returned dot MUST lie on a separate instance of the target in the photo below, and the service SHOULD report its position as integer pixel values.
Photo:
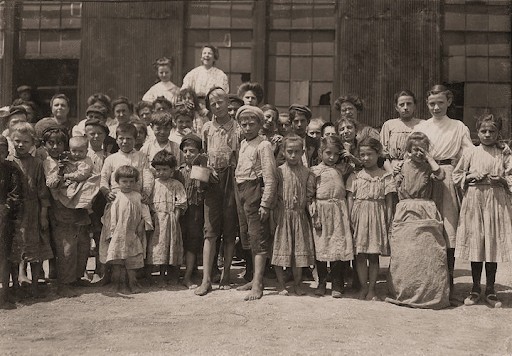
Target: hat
(235, 99)
(17, 109)
(99, 109)
(191, 137)
(303, 109)
(23, 88)
(251, 109)
(4, 112)
(97, 122)
(3, 141)
(47, 124)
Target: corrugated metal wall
(385, 46)
(120, 41)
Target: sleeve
(351, 183)
(311, 187)
(181, 196)
(146, 216)
(268, 170)
(507, 166)
(148, 179)
(114, 216)
(225, 83)
(389, 184)
(384, 139)
(466, 143)
(78, 129)
(188, 80)
(43, 194)
(106, 173)
(461, 170)
(83, 171)
(149, 95)
(15, 192)
(51, 172)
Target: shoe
(493, 300)
(472, 299)
(320, 290)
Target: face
(250, 126)
(22, 143)
(347, 131)
(299, 124)
(330, 155)
(438, 105)
(488, 134)
(190, 152)
(54, 147)
(219, 103)
(405, 107)
(145, 114)
(368, 157)
(284, 127)
(249, 98)
(96, 135)
(329, 131)
(122, 113)
(161, 133)
(125, 141)
(207, 58)
(16, 119)
(95, 115)
(164, 172)
(160, 107)
(183, 124)
(347, 109)
(232, 109)
(4, 152)
(164, 73)
(270, 117)
(60, 108)
(293, 153)
(314, 131)
(77, 152)
(417, 152)
(141, 135)
(25, 95)
(127, 184)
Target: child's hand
(264, 213)
(111, 196)
(317, 225)
(43, 222)
(145, 198)
(398, 168)
(475, 176)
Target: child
(167, 202)
(484, 233)
(143, 110)
(328, 129)
(284, 125)
(142, 132)
(251, 93)
(183, 121)
(347, 130)
(31, 243)
(418, 271)
(162, 124)
(255, 169)
(369, 206)
(192, 220)
(448, 139)
(269, 129)
(123, 110)
(314, 128)
(293, 240)
(187, 99)
(234, 104)
(164, 87)
(16, 115)
(129, 218)
(162, 104)
(333, 238)
(10, 207)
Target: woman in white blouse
(164, 87)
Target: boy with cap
(94, 111)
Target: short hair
(59, 96)
(191, 141)
(214, 50)
(404, 92)
(284, 115)
(162, 101)
(350, 120)
(496, 121)
(316, 121)
(140, 123)
(164, 61)
(57, 133)
(122, 100)
(256, 88)
(102, 99)
(183, 112)
(289, 139)
(78, 141)
(440, 89)
(270, 107)
(373, 143)
(142, 105)
(326, 125)
(127, 128)
(164, 158)
(126, 172)
(349, 98)
(161, 118)
(24, 128)
(331, 141)
(293, 113)
(192, 93)
(207, 98)
(415, 138)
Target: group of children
(295, 197)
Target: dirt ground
(175, 321)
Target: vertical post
(259, 63)
(10, 51)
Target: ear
(450, 100)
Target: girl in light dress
(484, 233)
(164, 87)
(370, 208)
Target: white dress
(168, 90)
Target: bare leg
(161, 277)
(297, 280)
(257, 280)
(190, 260)
(208, 258)
(132, 281)
(362, 273)
(229, 250)
(22, 273)
(281, 284)
(116, 278)
(373, 260)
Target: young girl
(333, 238)
(129, 219)
(168, 202)
(164, 87)
(293, 241)
(31, 243)
(418, 271)
(183, 124)
(484, 233)
(187, 99)
(369, 205)
(251, 93)
(448, 139)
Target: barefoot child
(161, 125)
(168, 202)
(255, 169)
(333, 238)
(418, 271)
(293, 239)
(484, 233)
(369, 205)
(129, 219)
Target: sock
(490, 275)
(476, 273)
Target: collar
(227, 126)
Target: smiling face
(438, 105)
(162, 133)
(183, 124)
(207, 57)
(347, 131)
(405, 107)
(164, 73)
(164, 172)
(488, 134)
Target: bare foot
(372, 296)
(283, 292)
(245, 287)
(297, 288)
(189, 284)
(225, 282)
(134, 289)
(24, 280)
(255, 293)
(363, 293)
(203, 289)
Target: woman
(59, 105)
(164, 87)
(350, 106)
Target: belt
(259, 180)
(444, 162)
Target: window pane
(323, 43)
(220, 15)
(324, 16)
(241, 60)
(319, 89)
(301, 42)
(279, 42)
(191, 59)
(242, 15)
(224, 61)
(50, 44)
(323, 68)
(71, 15)
(282, 94)
(235, 80)
(198, 14)
(301, 16)
(50, 16)
(30, 16)
(282, 67)
(29, 44)
(220, 38)
(241, 38)
(281, 16)
(301, 68)
(197, 38)
(70, 44)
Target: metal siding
(385, 46)
(120, 42)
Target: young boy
(184, 121)
(256, 168)
(161, 125)
(314, 129)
